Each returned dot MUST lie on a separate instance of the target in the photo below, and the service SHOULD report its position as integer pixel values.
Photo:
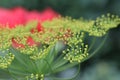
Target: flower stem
(72, 78)
(94, 52)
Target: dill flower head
(46, 46)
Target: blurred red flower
(18, 16)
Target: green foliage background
(76, 8)
(90, 9)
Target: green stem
(92, 44)
(72, 78)
(60, 63)
(92, 54)
(64, 67)
(48, 65)
(59, 58)
(11, 74)
(17, 56)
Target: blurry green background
(76, 8)
(106, 64)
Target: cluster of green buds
(76, 50)
(41, 53)
(35, 77)
(103, 24)
(59, 46)
(6, 60)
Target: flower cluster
(77, 51)
(6, 60)
(35, 77)
(54, 46)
